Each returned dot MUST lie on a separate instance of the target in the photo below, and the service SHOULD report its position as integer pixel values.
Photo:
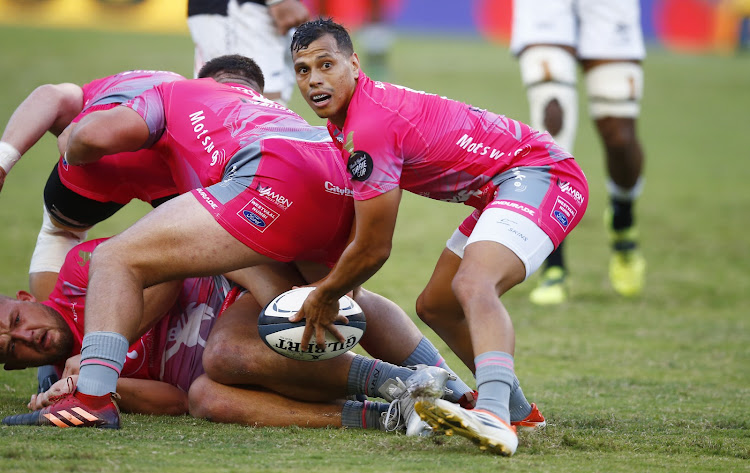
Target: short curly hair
(235, 64)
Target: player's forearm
(358, 263)
(143, 396)
(48, 108)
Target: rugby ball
(284, 337)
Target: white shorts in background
(597, 29)
(248, 30)
(512, 230)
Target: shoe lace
(59, 397)
(392, 419)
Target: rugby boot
(534, 421)
(481, 427)
(552, 289)
(627, 266)
(73, 410)
(427, 382)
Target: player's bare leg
(258, 407)
(391, 335)
(487, 271)
(620, 85)
(235, 354)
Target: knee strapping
(549, 73)
(615, 89)
(52, 245)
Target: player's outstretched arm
(104, 132)
(50, 107)
(137, 396)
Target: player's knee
(427, 310)
(549, 74)
(617, 133)
(201, 401)
(216, 361)
(106, 254)
(226, 356)
(615, 89)
(466, 287)
(52, 245)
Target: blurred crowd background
(690, 26)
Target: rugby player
(527, 194)
(551, 38)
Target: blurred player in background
(527, 194)
(551, 39)
(376, 37)
(258, 29)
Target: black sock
(556, 257)
(622, 214)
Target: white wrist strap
(270, 3)
(9, 156)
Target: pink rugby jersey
(202, 124)
(432, 146)
(69, 299)
(120, 88)
(172, 351)
(142, 175)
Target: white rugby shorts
(248, 30)
(597, 29)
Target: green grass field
(656, 384)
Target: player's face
(31, 334)
(326, 77)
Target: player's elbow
(85, 146)
(377, 254)
(204, 402)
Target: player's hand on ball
(320, 313)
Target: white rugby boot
(481, 427)
(427, 383)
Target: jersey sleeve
(150, 106)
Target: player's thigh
(180, 239)
(610, 29)
(254, 35)
(504, 248)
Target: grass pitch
(659, 383)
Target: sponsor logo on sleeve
(360, 166)
(563, 212)
(258, 215)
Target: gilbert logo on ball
(284, 337)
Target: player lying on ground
(161, 380)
